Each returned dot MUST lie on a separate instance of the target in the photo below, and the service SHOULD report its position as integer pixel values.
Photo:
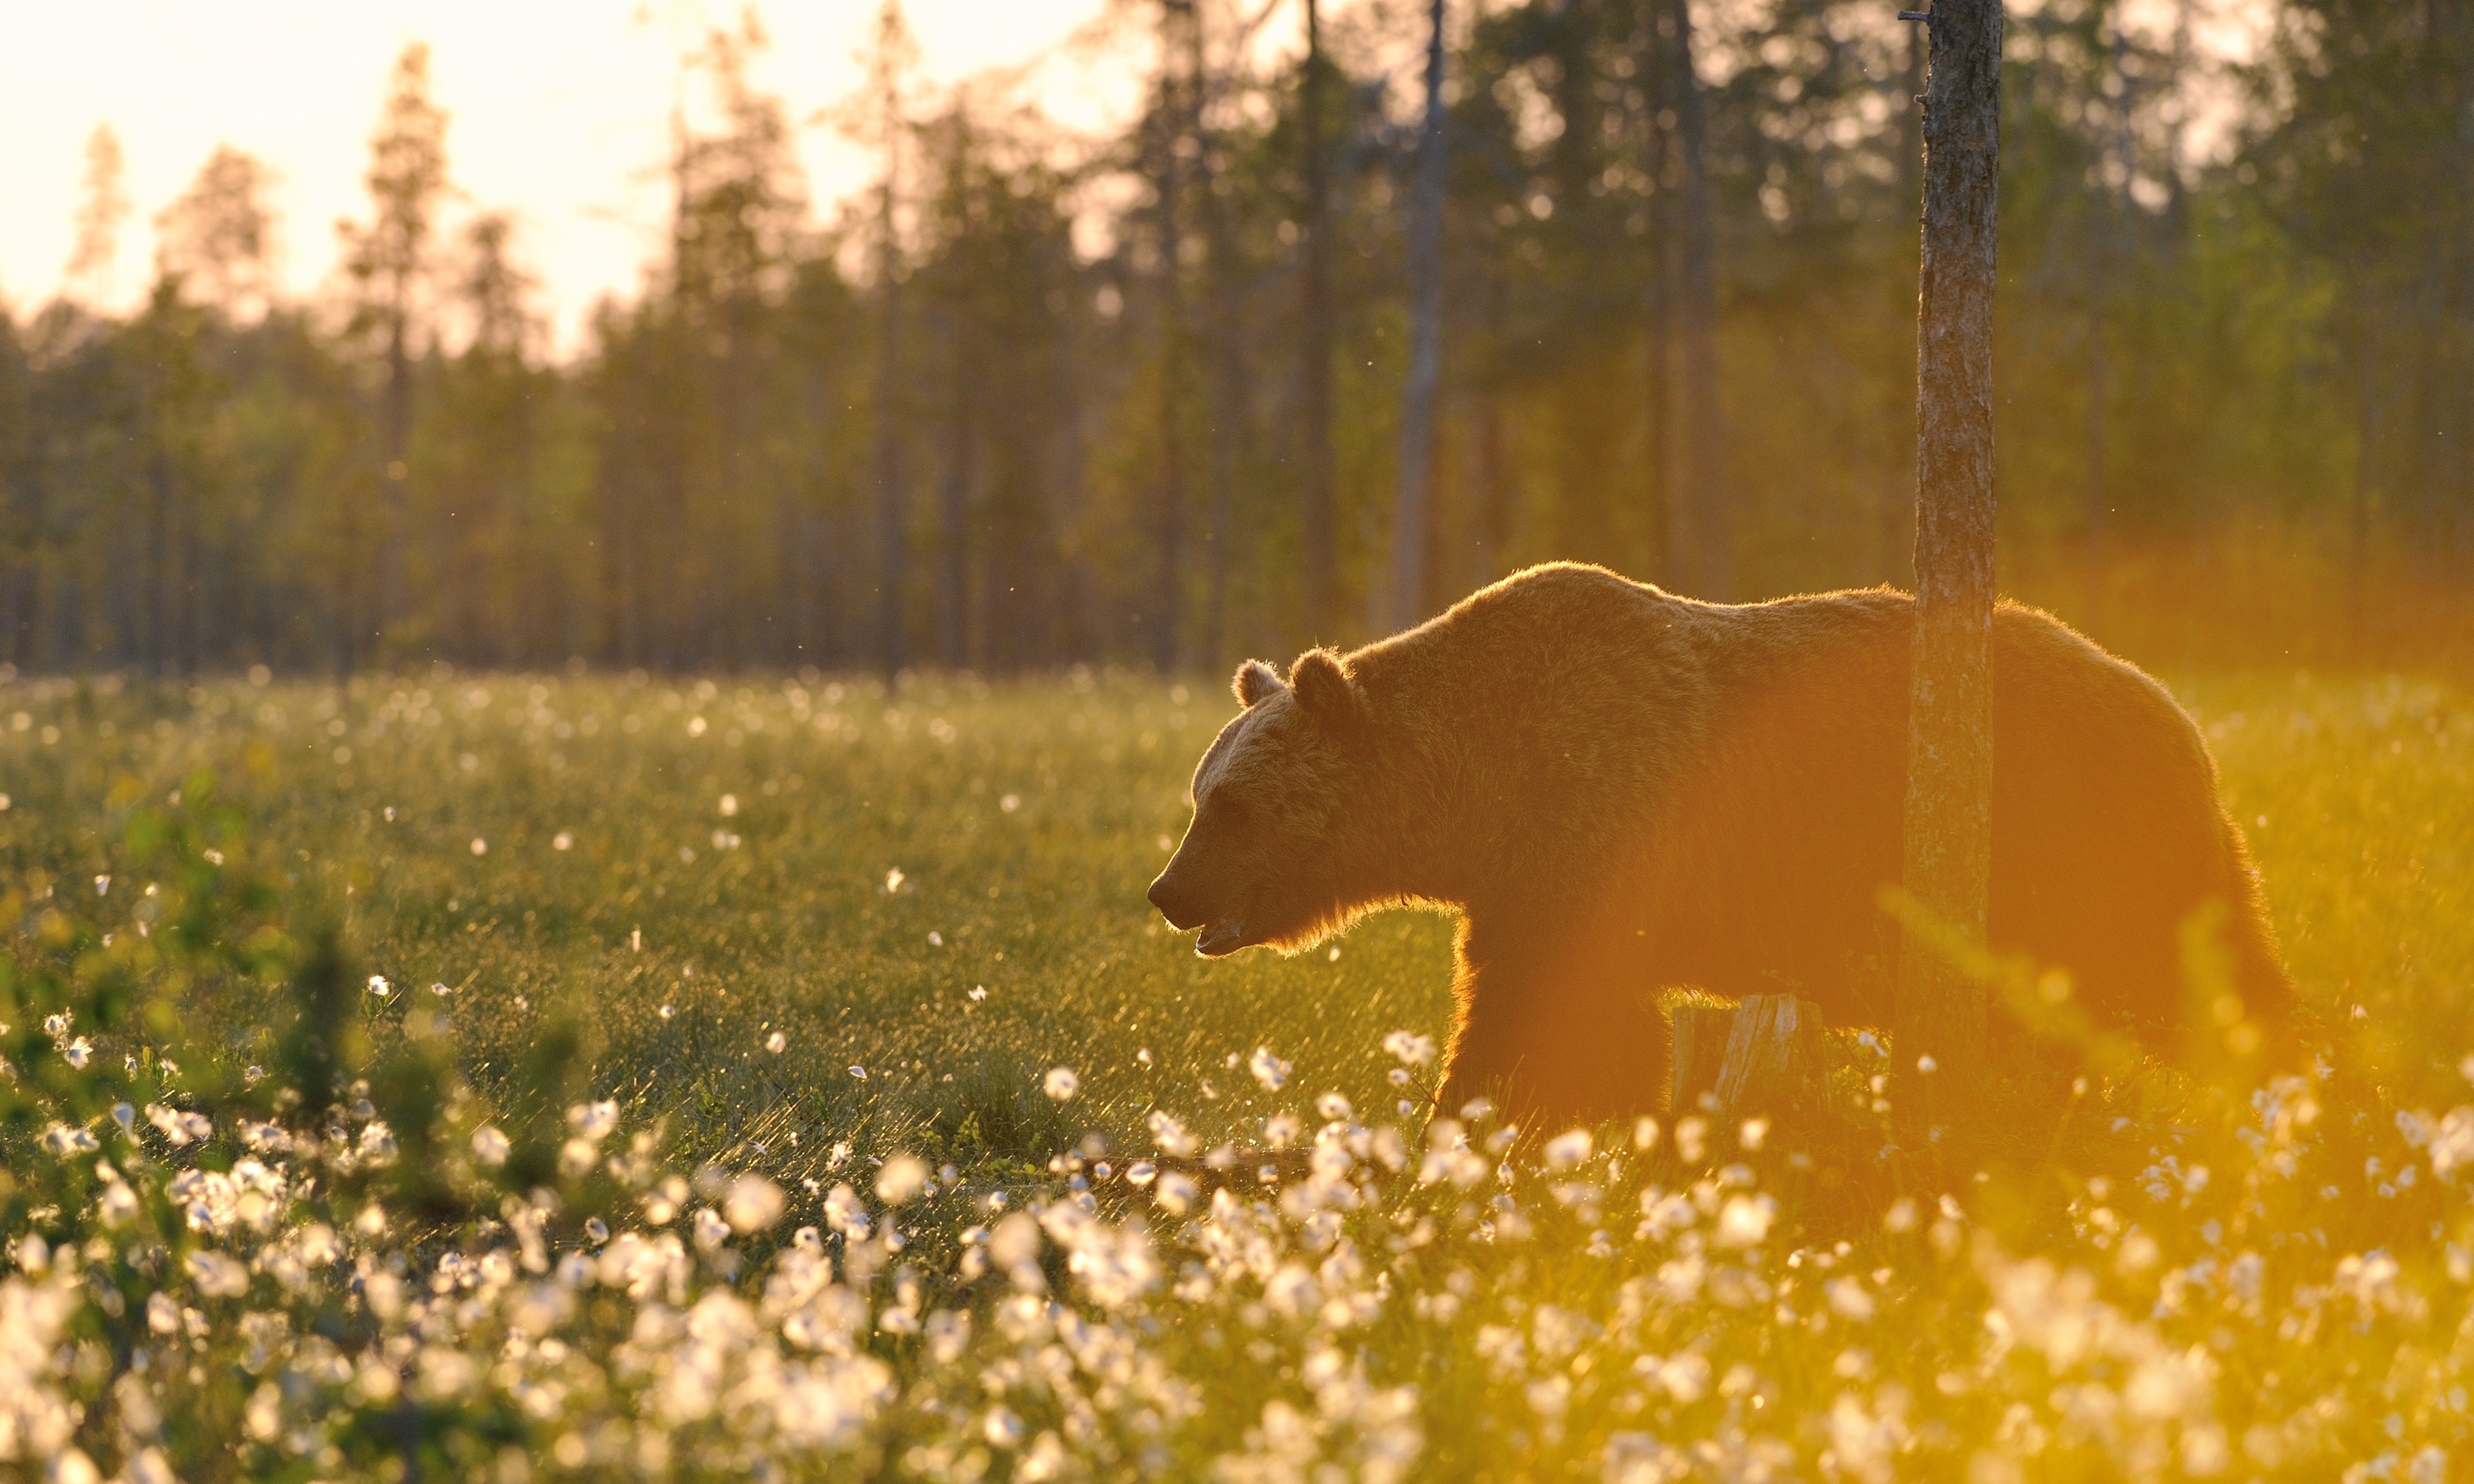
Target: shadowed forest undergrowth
(520, 1076)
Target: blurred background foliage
(1043, 399)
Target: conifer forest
(1325, 336)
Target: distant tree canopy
(1042, 399)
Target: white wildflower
(901, 1178)
(753, 1204)
(490, 1146)
(1745, 1220)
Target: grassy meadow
(618, 1076)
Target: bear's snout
(1175, 903)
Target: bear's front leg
(1559, 1030)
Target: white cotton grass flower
(491, 1146)
(479, 846)
(1171, 1136)
(380, 988)
(561, 841)
(1268, 1070)
(729, 806)
(1175, 1191)
(64, 1140)
(1060, 1084)
(1409, 1048)
(1745, 1220)
(901, 1178)
(753, 1204)
(217, 1275)
(117, 1205)
(595, 1120)
(1568, 1150)
(777, 1042)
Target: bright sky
(558, 112)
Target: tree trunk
(953, 523)
(1403, 604)
(1658, 152)
(2358, 551)
(1703, 537)
(1169, 594)
(2100, 269)
(1227, 372)
(1315, 489)
(891, 514)
(2099, 377)
(395, 431)
(1948, 825)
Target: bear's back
(1777, 842)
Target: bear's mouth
(1223, 936)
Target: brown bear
(1621, 791)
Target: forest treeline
(1311, 345)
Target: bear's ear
(1258, 681)
(1326, 691)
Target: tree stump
(1701, 1033)
(1764, 1057)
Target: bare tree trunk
(1706, 536)
(1948, 825)
(1228, 371)
(1402, 602)
(2100, 271)
(892, 502)
(1079, 635)
(2098, 373)
(953, 570)
(2358, 555)
(349, 577)
(395, 431)
(1316, 492)
(1492, 501)
(1657, 154)
(1894, 511)
(1168, 597)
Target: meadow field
(507, 1076)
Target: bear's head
(1262, 861)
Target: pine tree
(389, 261)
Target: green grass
(944, 887)
(776, 916)
(2358, 797)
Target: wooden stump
(1764, 1057)
(1701, 1033)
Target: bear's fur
(1620, 790)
